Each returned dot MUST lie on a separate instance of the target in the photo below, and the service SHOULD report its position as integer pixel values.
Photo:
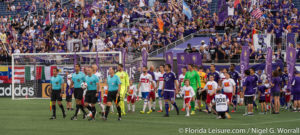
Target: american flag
(257, 13)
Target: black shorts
(262, 100)
(90, 96)
(69, 98)
(55, 95)
(78, 93)
(249, 100)
(278, 40)
(198, 95)
(203, 95)
(112, 96)
(275, 94)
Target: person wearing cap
(69, 91)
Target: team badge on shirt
(78, 80)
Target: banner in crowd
(269, 63)
(169, 59)
(144, 57)
(195, 58)
(186, 10)
(291, 60)
(223, 10)
(244, 61)
(262, 41)
(291, 39)
(181, 61)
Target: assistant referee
(114, 86)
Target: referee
(114, 86)
(57, 89)
(91, 95)
(78, 78)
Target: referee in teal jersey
(114, 85)
(57, 89)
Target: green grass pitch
(30, 117)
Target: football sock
(193, 105)
(54, 110)
(128, 106)
(77, 109)
(174, 104)
(93, 111)
(119, 110)
(62, 109)
(107, 111)
(167, 108)
(160, 103)
(145, 105)
(133, 107)
(81, 107)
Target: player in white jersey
(229, 86)
(188, 93)
(160, 82)
(221, 102)
(211, 87)
(99, 98)
(131, 96)
(180, 79)
(144, 85)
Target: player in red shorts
(211, 87)
(229, 86)
(268, 95)
(287, 94)
(188, 93)
(131, 96)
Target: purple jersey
(234, 75)
(255, 79)
(169, 79)
(277, 83)
(262, 89)
(248, 83)
(296, 85)
(215, 74)
(152, 74)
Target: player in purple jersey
(236, 77)
(262, 98)
(214, 73)
(249, 92)
(275, 91)
(296, 91)
(170, 86)
(255, 79)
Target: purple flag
(144, 57)
(223, 10)
(268, 67)
(169, 59)
(291, 60)
(291, 39)
(195, 58)
(244, 60)
(123, 57)
(182, 58)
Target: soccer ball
(83, 85)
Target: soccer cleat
(52, 118)
(232, 111)
(227, 115)
(84, 116)
(74, 118)
(64, 115)
(187, 115)
(119, 119)
(183, 109)
(149, 112)
(153, 109)
(196, 107)
(91, 119)
(142, 112)
(193, 113)
(160, 111)
(246, 114)
(166, 115)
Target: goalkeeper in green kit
(195, 82)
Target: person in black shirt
(188, 49)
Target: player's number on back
(220, 100)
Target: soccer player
(77, 79)
(262, 98)
(211, 87)
(296, 92)
(229, 86)
(131, 96)
(152, 88)
(93, 88)
(221, 102)
(69, 91)
(275, 91)
(170, 84)
(236, 77)
(188, 93)
(194, 78)
(114, 88)
(144, 85)
(287, 93)
(202, 95)
(57, 89)
(214, 73)
(181, 79)
(248, 89)
(255, 79)
(99, 98)
(268, 94)
(124, 86)
(160, 81)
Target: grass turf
(31, 117)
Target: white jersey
(132, 90)
(145, 81)
(188, 92)
(160, 79)
(221, 101)
(284, 89)
(222, 76)
(211, 86)
(181, 78)
(98, 75)
(228, 85)
(105, 89)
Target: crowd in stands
(110, 25)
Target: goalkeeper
(124, 86)
(195, 82)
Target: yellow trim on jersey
(202, 78)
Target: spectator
(188, 49)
